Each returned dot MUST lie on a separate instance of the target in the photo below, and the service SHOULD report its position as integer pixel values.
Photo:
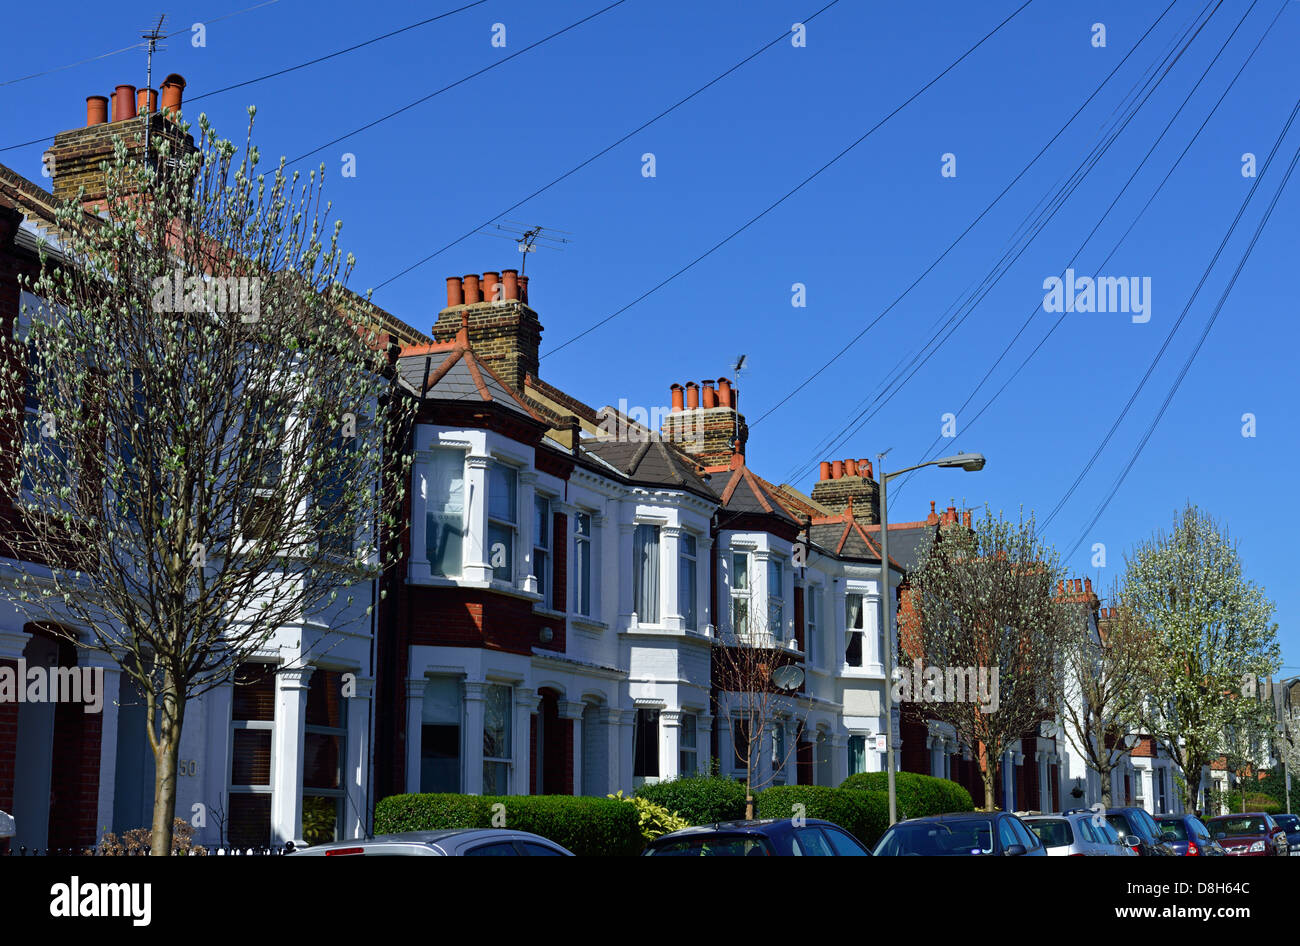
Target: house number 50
(187, 767)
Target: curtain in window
(645, 574)
(445, 505)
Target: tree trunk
(165, 764)
(1105, 787)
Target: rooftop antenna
(151, 39)
(529, 238)
(736, 369)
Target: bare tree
(748, 683)
(1102, 682)
(981, 604)
(207, 416)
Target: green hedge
(586, 826)
(863, 814)
(700, 799)
(916, 795)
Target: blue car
(962, 834)
(1291, 825)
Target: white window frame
(547, 521)
(688, 565)
(810, 595)
(776, 598)
(583, 542)
(507, 760)
(510, 526)
(860, 629)
(741, 595)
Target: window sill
(550, 612)
(583, 622)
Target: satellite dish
(787, 677)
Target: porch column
(477, 563)
(526, 703)
(571, 712)
(356, 817)
(471, 776)
(414, 731)
(108, 739)
(287, 761)
(670, 726)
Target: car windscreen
(1173, 828)
(1243, 825)
(1120, 824)
(714, 845)
(1289, 823)
(938, 839)
(1052, 833)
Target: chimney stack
(503, 331)
(848, 483)
(709, 427)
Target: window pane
(501, 551)
(496, 778)
(740, 615)
(325, 699)
(739, 571)
(773, 578)
(688, 544)
(686, 591)
(500, 849)
(645, 574)
(321, 765)
(502, 482)
(496, 723)
(853, 611)
(542, 523)
(688, 731)
(251, 757)
(582, 582)
(249, 823)
(445, 510)
(853, 653)
(321, 817)
(646, 754)
(254, 693)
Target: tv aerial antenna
(151, 39)
(529, 238)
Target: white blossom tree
(209, 423)
(1215, 638)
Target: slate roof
(651, 463)
(744, 492)
(457, 374)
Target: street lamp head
(970, 462)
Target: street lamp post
(970, 462)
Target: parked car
(1188, 836)
(453, 842)
(1252, 834)
(962, 834)
(770, 837)
(1121, 846)
(1138, 823)
(1072, 835)
(1291, 825)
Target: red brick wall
(559, 567)
(8, 747)
(74, 773)
(470, 617)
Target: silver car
(1071, 835)
(453, 842)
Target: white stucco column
(839, 758)
(624, 564)
(414, 730)
(670, 733)
(471, 781)
(524, 575)
(620, 729)
(477, 565)
(357, 769)
(526, 703)
(287, 761)
(108, 738)
(670, 543)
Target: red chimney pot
(172, 88)
(724, 392)
(837, 469)
(510, 283)
(677, 398)
(472, 293)
(455, 291)
(491, 287)
(850, 467)
(692, 396)
(825, 470)
(124, 103)
(710, 393)
(96, 110)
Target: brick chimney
(842, 480)
(705, 426)
(76, 155)
(503, 330)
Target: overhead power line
(785, 34)
(968, 423)
(794, 190)
(1173, 389)
(288, 69)
(473, 75)
(1002, 266)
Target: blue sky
(856, 236)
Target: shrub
(586, 826)
(655, 820)
(138, 841)
(863, 814)
(700, 799)
(1264, 803)
(916, 795)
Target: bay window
(775, 600)
(686, 581)
(324, 756)
(542, 547)
(503, 517)
(252, 730)
(582, 560)
(740, 593)
(645, 573)
(445, 512)
(440, 736)
(853, 619)
(498, 720)
(688, 753)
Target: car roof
(429, 837)
(741, 826)
(955, 816)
